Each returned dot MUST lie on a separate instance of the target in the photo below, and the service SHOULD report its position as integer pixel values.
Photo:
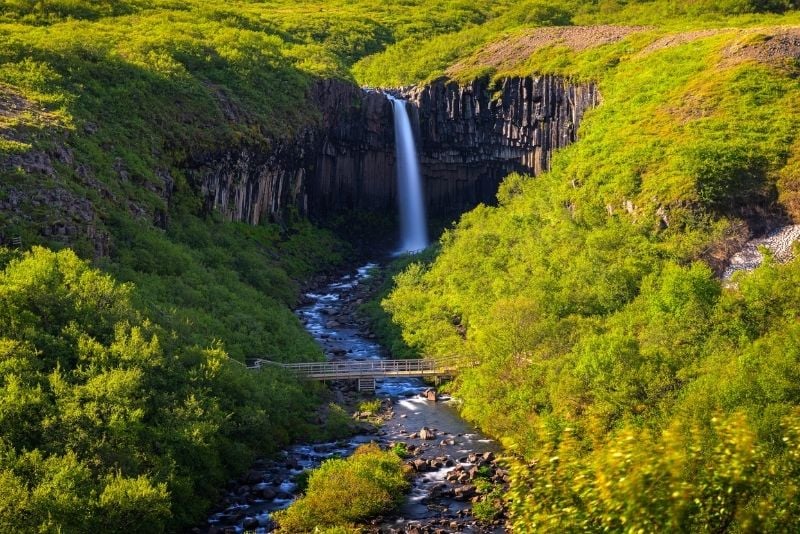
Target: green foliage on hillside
(206, 279)
(111, 416)
(109, 422)
(647, 394)
(343, 492)
(411, 61)
(381, 283)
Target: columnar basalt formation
(343, 161)
(470, 137)
(473, 135)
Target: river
(442, 490)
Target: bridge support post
(366, 384)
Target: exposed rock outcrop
(473, 135)
(779, 242)
(342, 162)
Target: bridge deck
(355, 369)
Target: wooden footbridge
(367, 371)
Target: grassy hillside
(411, 61)
(644, 394)
(123, 407)
(612, 355)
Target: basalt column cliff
(470, 137)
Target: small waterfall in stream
(414, 233)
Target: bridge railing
(356, 368)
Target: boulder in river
(429, 394)
(420, 465)
(464, 492)
(426, 434)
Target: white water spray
(414, 233)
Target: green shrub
(401, 450)
(486, 510)
(110, 422)
(372, 406)
(342, 492)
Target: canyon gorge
(470, 136)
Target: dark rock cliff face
(469, 137)
(472, 136)
(344, 161)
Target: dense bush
(107, 421)
(343, 492)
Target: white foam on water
(287, 486)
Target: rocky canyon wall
(473, 135)
(469, 137)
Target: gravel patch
(514, 50)
(779, 242)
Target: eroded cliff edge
(469, 137)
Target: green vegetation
(401, 450)
(646, 394)
(342, 492)
(109, 422)
(371, 407)
(410, 60)
(490, 506)
(381, 283)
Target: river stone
(463, 492)
(440, 490)
(254, 476)
(426, 434)
(420, 465)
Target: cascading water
(414, 233)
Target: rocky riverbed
(454, 466)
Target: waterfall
(414, 232)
